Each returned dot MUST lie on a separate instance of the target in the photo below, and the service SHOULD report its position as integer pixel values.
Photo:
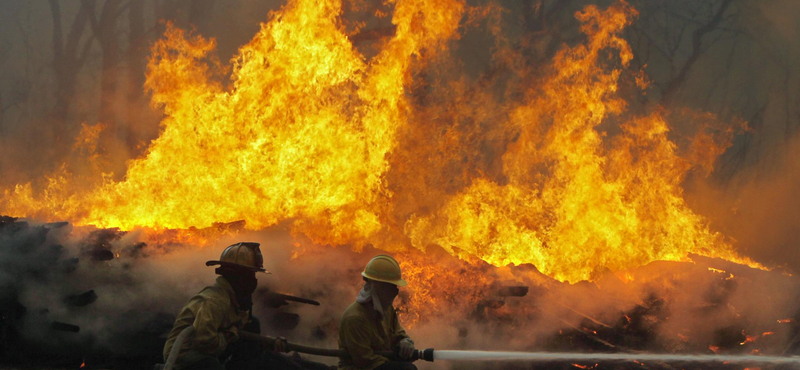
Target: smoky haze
(666, 307)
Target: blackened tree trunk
(105, 32)
(136, 69)
(668, 96)
(68, 58)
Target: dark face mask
(244, 283)
(386, 293)
(244, 295)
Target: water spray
(464, 355)
(605, 357)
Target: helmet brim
(234, 265)
(398, 282)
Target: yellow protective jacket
(212, 312)
(362, 331)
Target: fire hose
(426, 354)
(461, 355)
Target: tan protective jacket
(212, 312)
(362, 331)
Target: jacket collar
(372, 312)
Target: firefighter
(370, 324)
(219, 312)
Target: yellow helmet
(384, 268)
(244, 254)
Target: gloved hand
(232, 334)
(405, 348)
(280, 345)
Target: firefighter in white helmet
(370, 324)
(219, 312)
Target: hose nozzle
(423, 354)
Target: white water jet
(604, 357)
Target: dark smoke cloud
(139, 288)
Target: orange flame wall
(311, 131)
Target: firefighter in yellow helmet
(370, 324)
(219, 312)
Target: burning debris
(555, 314)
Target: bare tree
(697, 50)
(69, 55)
(136, 67)
(105, 31)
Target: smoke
(752, 195)
(759, 207)
(782, 15)
(49, 270)
(53, 266)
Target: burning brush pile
(105, 298)
(530, 209)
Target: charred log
(285, 321)
(275, 300)
(81, 300)
(62, 326)
(513, 291)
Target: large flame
(570, 204)
(310, 130)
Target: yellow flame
(308, 130)
(617, 207)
